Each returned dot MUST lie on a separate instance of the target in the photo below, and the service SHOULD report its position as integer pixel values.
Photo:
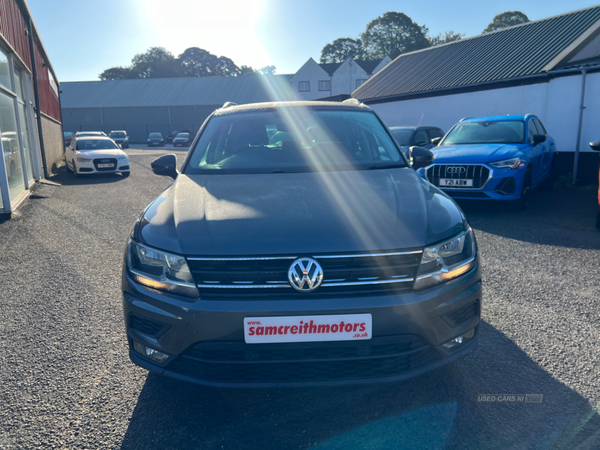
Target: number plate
(347, 327)
(105, 166)
(453, 182)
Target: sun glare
(224, 28)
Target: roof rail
(351, 101)
(228, 104)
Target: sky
(85, 37)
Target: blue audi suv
(494, 158)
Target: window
(435, 133)
(420, 138)
(53, 84)
(540, 127)
(325, 85)
(4, 71)
(305, 141)
(359, 83)
(304, 86)
(500, 132)
(532, 130)
(10, 146)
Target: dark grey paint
(268, 214)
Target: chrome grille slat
(261, 275)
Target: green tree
(247, 70)
(156, 62)
(444, 38)
(267, 70)
(117, 73)
(196, 62)
(507, 19)
(341, 49)
(392, 34)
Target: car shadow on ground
(68, 179)
(438, 410)
(563, 217)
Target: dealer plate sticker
(348, 327)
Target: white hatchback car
(95, 154)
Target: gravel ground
(66, 380)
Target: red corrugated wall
(49, 103)
(13, 26)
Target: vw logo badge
(456, 169)
(305, 274)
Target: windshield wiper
(384, 166)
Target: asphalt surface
(66, 380)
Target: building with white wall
(315, 80)
(550, 67)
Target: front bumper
(89, 168)
(502, 184)
(205, 338)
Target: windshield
(294, 140)
(155, 135)
(402, 136)
(67, 134)
(502, 132)
(95, 144)
(118, 134)
(183, 135)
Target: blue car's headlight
(447, 260)
(512, 163)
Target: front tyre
(522, 203)
(598, 220)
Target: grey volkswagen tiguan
(298, 247)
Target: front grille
(112, 161)
(463, 314)
(147, 326)
(352, 274)
(237, 362)
(476, 172)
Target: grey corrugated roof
(513, 52)
(175, 91)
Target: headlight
(447, 260)
(512, 163)
(123, 158)
(83, 159)
(160, 270)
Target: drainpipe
(581, 108)
(37, 101)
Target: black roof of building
(520, 51)
(330, 67)
(368, 66)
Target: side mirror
(436, 141)
(539, 138)
(421, 157)
(595, 146)
(120, 146)
(165, 165)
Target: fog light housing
(150, 353)
(459, 340)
